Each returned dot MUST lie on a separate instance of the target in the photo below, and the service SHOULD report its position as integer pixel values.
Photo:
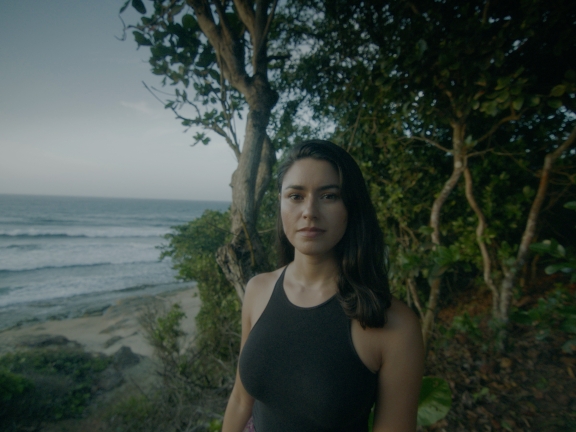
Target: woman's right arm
(239, 408)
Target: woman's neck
(313, 272)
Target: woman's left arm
(400, 374)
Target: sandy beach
(110, 329)
(108, 332)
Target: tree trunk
(435, 280)
(244, 256)
(482, 225)
(507, 285)
(413, 292)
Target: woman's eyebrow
(322, 188)
(297, 187)
(330, 186)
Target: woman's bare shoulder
(400, 316)
(258, 292)
(402, 326)
(262, 283)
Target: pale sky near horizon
(75, 118)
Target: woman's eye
(295, 197)
(329, 196)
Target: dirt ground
(529, 387)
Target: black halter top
(302, 369)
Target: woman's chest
(306, 363)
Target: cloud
(141, 107)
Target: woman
(322, 338)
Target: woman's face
(313, 214)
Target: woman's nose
(309, 209)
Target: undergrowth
(46, 384)
(197, 374)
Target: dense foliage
(461, 116)
(456, 113)
(45, 384)
(192, 248)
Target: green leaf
(481, 81)
(490, 108)
(519, 71)
(570, 205)
(435, 272)
(371, 420)
(434, 402)
(139, 6)
(421, 46)
(563, 267)
(124, 6)
(207, 57)
(141, 39)
(502, 83)
(541, 248)
(503, 96)
(554, 103)
(558, 90)
(425, 229)
(518, 102)
(189, 22)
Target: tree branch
(246, 13)
(227, 114)
(412, 290)
(198, 122)
(270, 18)
(512, 117)
(432, 142)
(528, 235)
(224, 43)
(481, 227)
(485, 12)
(351, 141)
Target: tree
(220, 50)
(478, 82)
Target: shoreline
(107, 329)
(80, 305)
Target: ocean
(67, 256)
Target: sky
(75, 118)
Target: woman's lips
(311, 232)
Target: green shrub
(15, 392)
(46, 384)
(12, 386)
(556, 312)
(196, 382)
(193, 247)
(434, 401)
(563, 259)
(132, 414)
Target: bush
(195, 384)
(193, 247)
(198, 375)
(46, 384)
(132, 414)
(556, 312)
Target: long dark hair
(363, 281)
